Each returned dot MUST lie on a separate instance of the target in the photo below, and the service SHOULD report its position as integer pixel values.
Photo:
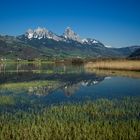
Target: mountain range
(42, 43)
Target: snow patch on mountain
(30, 33)
(89, 41)
(108, 46)
(84, 40)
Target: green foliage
(99, 120)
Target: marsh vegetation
(129, 65)
(100, 119)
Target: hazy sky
(113, 22)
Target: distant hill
(135, 54)
(42, 43)
(11, 47)
(126, 51)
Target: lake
(55, 84)
(58, 101)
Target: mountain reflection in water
(57, 82)
(66, 78)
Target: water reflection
(44, 84)
(51, 82)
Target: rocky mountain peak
(70, 34)
(40, 33)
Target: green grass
(30, 87)
(25, 85)
(102, 119)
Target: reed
(130, 65)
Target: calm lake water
(22, 85)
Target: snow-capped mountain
(71, 35)
(42, 43)
(68, 35)
(40, 33)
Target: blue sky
(113, 22)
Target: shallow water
(23, 85)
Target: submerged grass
(102, 119)
(6, 100)
(26, 85)
(130, 65)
